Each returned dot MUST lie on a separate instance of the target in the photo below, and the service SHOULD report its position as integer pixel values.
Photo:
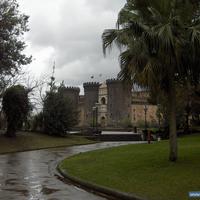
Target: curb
(45, 148)
(97, 188)
(48, 147)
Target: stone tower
(102, 109)
(119, 102)
(91, 90)
(72, 93)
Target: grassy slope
(143, 169)
(31, 141)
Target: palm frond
(166, 38)
(156, 15)
(120, 38)
(194, 38)
(108, 37)
(126, 15)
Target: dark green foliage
(16, 107)
(195, 107)
(188, 106)
(162, 111)
(59, 114)
(13, 24)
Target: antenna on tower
(54, 66)
(53, 71)
(52, 83)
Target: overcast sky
(69, 32)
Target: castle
(114, 104)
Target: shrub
(16, 107)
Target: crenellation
(72, 93)
(91, 84)
(113, 80)
(75, 89)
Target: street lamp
(159, 116)
(95, 117)
(145, 116)
(147, 133)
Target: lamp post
(145, 116)
(146, 135)
(95, 118)
(159, 116)
(97, 105)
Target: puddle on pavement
(11, 181)
(23, 192)
(47, 191)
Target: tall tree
(155, 37)
(59, 115)
(16, 107)
(13, 25)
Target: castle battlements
(75, 89)
(113, 80)
(91, 84)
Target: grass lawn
(142, 169)
(31, 141)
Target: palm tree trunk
(172, 122)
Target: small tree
(59, 114)
(16, 107)
(13, 24)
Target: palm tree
(154, 37)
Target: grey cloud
(106, 4)
(74, 31)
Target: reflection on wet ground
(32, 175)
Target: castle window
(103, 100)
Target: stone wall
(91, 90)
(72, 93)
(138, 115)
(81, 109)
(119, 102)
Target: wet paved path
(32, 175)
